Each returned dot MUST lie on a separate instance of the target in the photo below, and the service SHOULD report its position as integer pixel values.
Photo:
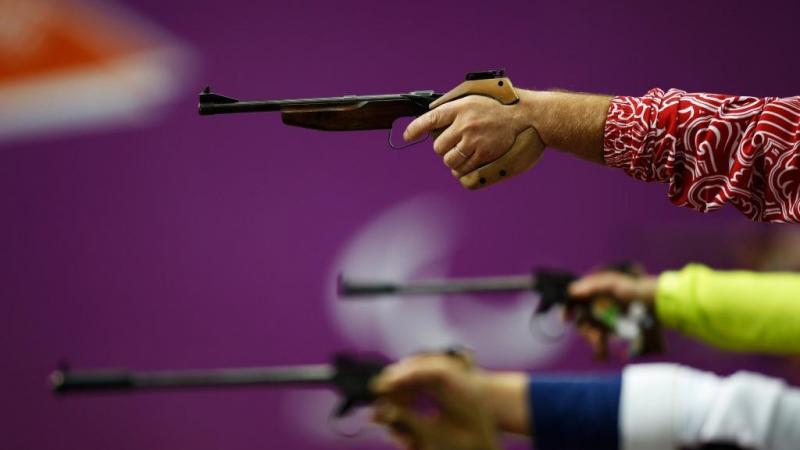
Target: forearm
(571, 122)
(506, 396)
(736, 310)
(670, 406)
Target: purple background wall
(199, 242)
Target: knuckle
(469, 125)
(433, 118)
(475, 154)
(459, 104)
(477, 125)
(439, 147)
(471, 100)
(467, 143)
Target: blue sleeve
(575, 413)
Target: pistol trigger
(339, 424)
(405, 145)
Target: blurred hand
(460, 420)
(622, 286)
(476, 131)
(609, 289)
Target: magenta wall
(199, 242)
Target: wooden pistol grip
(522, 155)
(499, 89)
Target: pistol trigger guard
(335, 424)
(400, 147)
(536, 329)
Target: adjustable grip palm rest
(527, 147)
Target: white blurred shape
(417, 238)
(310, 411)
(395, 245)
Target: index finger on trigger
(434, 119)
(414, 372)
(596, 283)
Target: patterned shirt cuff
(623, 133)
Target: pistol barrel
(63, 381)
(514, 283)
(213, 103)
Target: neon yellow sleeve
(734, 310)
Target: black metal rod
(223, 108)
(361, 288)
(102, 380)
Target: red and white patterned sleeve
(712, 149)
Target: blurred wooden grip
(522, 155)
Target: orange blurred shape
(39, 37)
(70, 65)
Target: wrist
(504, 395)
(571, 122)
(534, 110)
(647, 289)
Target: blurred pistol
(633, 323)
(348, 374)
